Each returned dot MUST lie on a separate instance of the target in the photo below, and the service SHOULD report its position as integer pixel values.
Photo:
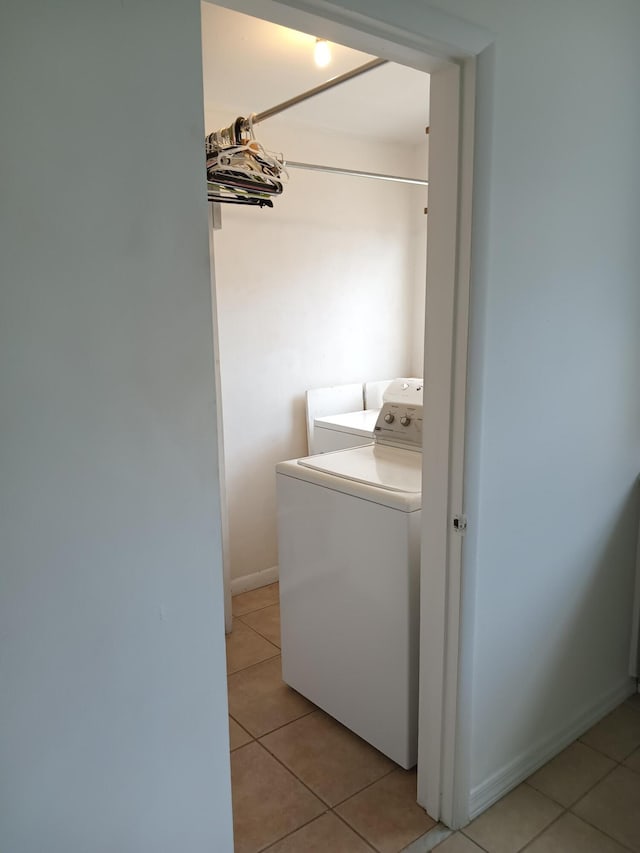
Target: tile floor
(585, 800)
(302, 783)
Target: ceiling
(251, 65)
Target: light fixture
(322, 53)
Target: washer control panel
(399, 424)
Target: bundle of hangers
(239, 169)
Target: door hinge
(460, 523)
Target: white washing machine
(350, 429)
(349, 554)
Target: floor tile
(328, 758)
(245, 647)
(326, 834)
(268, 802)
(265, 622)
(237, 735)
(633, 762)
(618, 734)
(458, 843)
(614, 806)
(261, 701)
(513, 821)
(386, 813)
(569, 775)
(255, 599)
(572, 834)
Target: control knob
(389, 418)
(405, 420)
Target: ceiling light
(322, 53)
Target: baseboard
(256, 579)
(497, 785)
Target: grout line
(228, 639)
(462, 832)
(288, 723)
(244, 730)
(277, 728)
(557, 802)
(594, 748)
(585, 819)
(257, 610)
(627, 757)
(259, 632)
(296, 777)
(244, 668)
(570, 808)
(353, 829)
(548, 826)
(368, 785)
(293, 831)
(253, 630)
(315, 793)
(601, 831)
(327, 808)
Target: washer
(336, 432)
(349, 543)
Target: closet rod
(317, 90)
(312, 167)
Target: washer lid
(391, 468)
(356, 423)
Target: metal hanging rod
(311, 167)
(317, 90)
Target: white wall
(554, 373)
(113, 732)
(323, 289)
(554, 418)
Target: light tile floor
(585, 800)
(302, 783)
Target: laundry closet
(327, 286)
(319, 197)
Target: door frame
(446, 48)
(214, 224)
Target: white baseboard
(497, 785)
(256, 579)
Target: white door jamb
(224, 512)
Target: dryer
(350, 429)
(349, 556)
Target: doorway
(452, 98)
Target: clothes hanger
(239, 166)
